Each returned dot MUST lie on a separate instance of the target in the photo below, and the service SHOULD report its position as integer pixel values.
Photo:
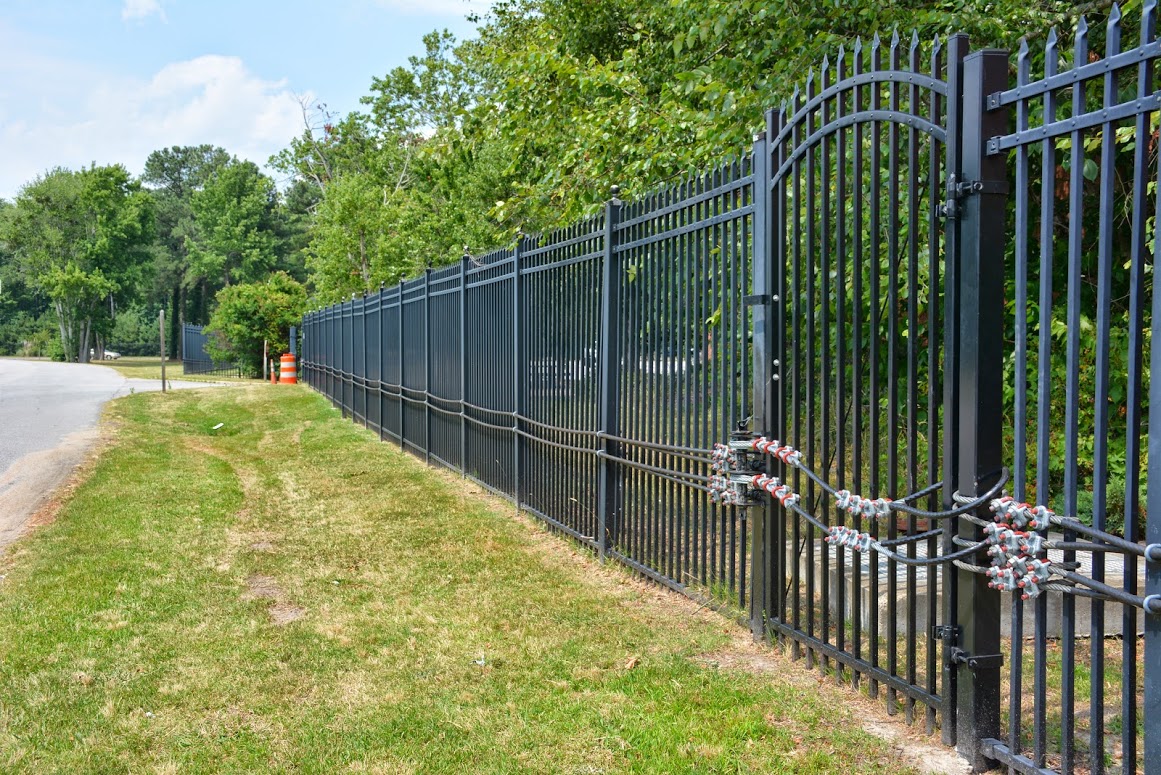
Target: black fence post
(464, 363)
(366, 368)
(381, 393)
(517, 370)
(427, 365)
(980, 201)
(763, 332)
(957, 47)
(609, 477)
(402, 361)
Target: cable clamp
(958, 656)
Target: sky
(107, 81)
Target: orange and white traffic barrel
(289, 373)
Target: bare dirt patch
(281, 611)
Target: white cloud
(437, 7)
(68, 115)
(141, 10)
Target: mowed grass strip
(149, 367)
(287, 594)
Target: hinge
(958, 656)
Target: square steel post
(427, 365)
(957, 46)
(517, 370)
(609, 493)
(763, 332)
(979, 198)
(464, 363)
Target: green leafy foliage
(81, 239)
(249, 314)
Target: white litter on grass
(219, 425)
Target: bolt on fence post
(609, 477)
(763, 332)
(517, 370)
(464, 362)
(983, 209)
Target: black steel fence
(584, 374)
(868, 286)
(195, 359)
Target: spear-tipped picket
(1051, 55)
(1113, 32)
(1148, 22)
(1080, 47)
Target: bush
(252, 313)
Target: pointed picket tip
(914, 38)
(875, 42)
(1115, 14)
(1081, 27)
(841, 56)
(1053, 40)
(895, 38)
(1023, 51)
(858, 49)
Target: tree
(249, 314)
(235, 214)
(173, 176)
(81, 238)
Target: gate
(896, 308)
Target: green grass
(141, 367)
(286, 594)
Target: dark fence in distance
(195, 359)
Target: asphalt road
(48, 416)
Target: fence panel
(560, 305)
(446, 344)
(684, 260)
(490, 403)
(195, 359)
(1081, 689)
